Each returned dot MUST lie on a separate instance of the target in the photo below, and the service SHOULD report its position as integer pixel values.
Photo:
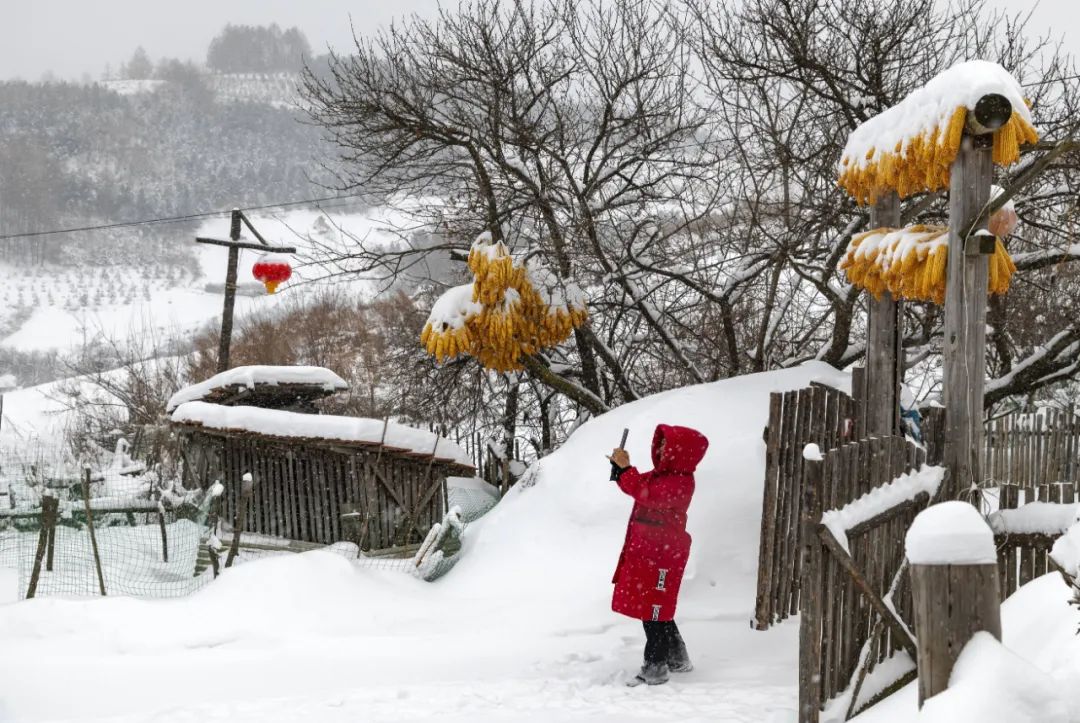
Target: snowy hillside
(63, 308)
(520, 630)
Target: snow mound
(1033, 676)
(526, 609)
(950, 533)
(1066, 552)
(991, 684)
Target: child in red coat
(653, 557)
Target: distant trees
(74, 155)
(257, 49)
(139, 67)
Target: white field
(520, 630)
(71, 306)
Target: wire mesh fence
(71, 532)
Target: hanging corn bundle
(509, 310)
(911, 262)
(910, 147)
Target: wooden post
(247, 487)
(965, 316)
(810, 601)
(234, 244)
(230, 295)
(164, 536)
(49, 506)
(211, 550)
(955, 596)
(93, 533)
(884, 355)
(51, 542)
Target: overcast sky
(73, 37)
(70, 38)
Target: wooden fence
(315, 491)
(818, 414)
(856, 605)
(1030, 450)
(1025, 554)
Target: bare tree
(677, 161)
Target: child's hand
(620, 458)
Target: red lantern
(271, 270)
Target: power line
(173, 219)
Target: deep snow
(520, 630)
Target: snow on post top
(252, 376)
(950, 533)
(812, 452)
(909, 147)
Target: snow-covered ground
(1034, 677)
(520, 630)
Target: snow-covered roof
(321, 427)
(909, 147)
(251, 376)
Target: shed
(318, 478)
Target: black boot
(678, 660)
(651, 674)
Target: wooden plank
(964, 344)
(787, 442)
(858, 393)
(898, 511)
(952, 603)
(810, 604)
(869, 594)
(830, 595)
(802, 436)
(851, 651)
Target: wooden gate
(856, 607)
(818, 414)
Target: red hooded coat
(653, 558)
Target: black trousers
(662, 641)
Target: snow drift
(521, 626)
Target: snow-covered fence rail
(1025, 534)
(820, 415)
(855, 608)
(1031, 450)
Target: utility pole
(234, 244)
